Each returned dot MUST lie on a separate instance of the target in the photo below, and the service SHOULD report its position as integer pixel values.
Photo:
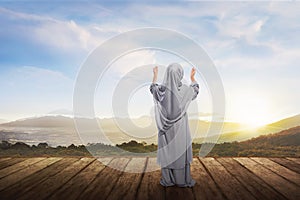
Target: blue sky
(254, 45)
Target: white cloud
(241, 26)
(284, 9)
(110, 28)
(62, 34)
(132, 60)
(25, 16)
(188, 10)
(65, 35)
(281, 58)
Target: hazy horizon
(138, 117)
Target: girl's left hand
(155, 70)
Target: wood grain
(117, 177)
(280, 184)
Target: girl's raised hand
(155, 70)
(193, 72)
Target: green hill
(289, 137)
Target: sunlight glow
(252, 110)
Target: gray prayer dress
(174, 153)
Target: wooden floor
(88, 178)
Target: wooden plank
(254, 184)
(89, 180)
(279, 169)
(26, 184)
(150, 188)
(9, 162)
(205, 187)
(101, 186)
(175, 192)
(287, 163)
(230, 186)
(4, 158)
(18, 166)
(128, 183)
(105, 160)
(26, 171)
(296, 160)
(47, 187)
(283, 186)
(73, 188)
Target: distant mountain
(44, 121)
(289, 137)
(57, 129)
(230, 132)
(109, 124)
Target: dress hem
(179, 177)
(188, 163)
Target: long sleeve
(157, 91)
(195, 87)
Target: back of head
(173, 94)
(176, 100)
(173, 76)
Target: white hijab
(174, 100)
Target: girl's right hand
(193, 72)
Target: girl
(171, 100)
